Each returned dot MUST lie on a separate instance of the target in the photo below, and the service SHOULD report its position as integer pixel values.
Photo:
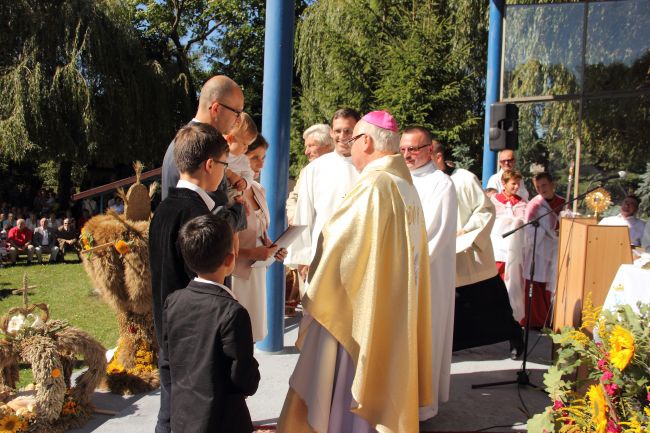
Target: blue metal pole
(276, 116)
(492, 83)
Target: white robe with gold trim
(370, 291)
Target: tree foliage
(421, 60)
(77, 87)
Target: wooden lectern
(588, 257)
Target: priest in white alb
(438, 197)
(365, 362)
(322, 186)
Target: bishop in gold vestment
(366, 361)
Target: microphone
(618, 175)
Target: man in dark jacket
(220, 104)
(200, 154)
(207, 336)
(44, 240)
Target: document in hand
(283, 241)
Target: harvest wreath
(51, 347)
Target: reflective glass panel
(615, 133)
(542, 54)
(618, 45)
(547, 136)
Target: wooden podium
(588, 257)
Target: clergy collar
(347, 159)
(204, 281)
(423, 170)
(197, 189)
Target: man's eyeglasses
(237, 112)
(351, 141)
(413, 149)
(225, 164)
(507, 161)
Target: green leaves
(421, 60)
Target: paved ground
(496, 408)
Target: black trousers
(164, 413)
(483, 315)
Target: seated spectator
(89, 205)
(39, 200)
(53, 221)
(50, 203)
(32, 222)
(68, 239)
(44, 241)
(627, 217)
(10, 222)
(118, 205)
(19, 240)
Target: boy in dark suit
(208, 338)
(200, 153)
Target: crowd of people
(401, 262)
(38, 232)
(383, 214)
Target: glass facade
(580, 75)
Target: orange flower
(56, 373)
(122, 247)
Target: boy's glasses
(225, 164)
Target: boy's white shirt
(239, 164)
(203, 280)
(197, 189)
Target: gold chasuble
(369, 288)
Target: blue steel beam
(492, 83)
(276, 112)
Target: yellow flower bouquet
(617, 358)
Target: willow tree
(77, 88)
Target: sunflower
(622, 347)
(598, 406)
(121, 247)
(11, 424)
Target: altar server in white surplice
(323, 185)
(438, 197)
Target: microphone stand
(523, 377)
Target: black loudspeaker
(504, 126)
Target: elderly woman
(249, 284)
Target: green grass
(68, 292)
